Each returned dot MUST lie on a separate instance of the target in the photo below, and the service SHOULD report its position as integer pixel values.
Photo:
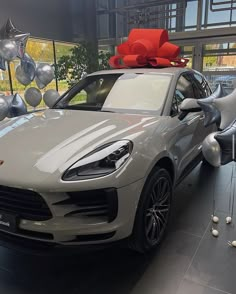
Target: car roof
(165, 70)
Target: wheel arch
(163, 161)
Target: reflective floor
(189, 260)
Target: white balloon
(3, 109)
(215, 219)
(215, 233)
(233, 243)
(33, 96)
(228, 220)
(50, 97)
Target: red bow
(147, 47)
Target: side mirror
(190, 105)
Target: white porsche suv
(100, 166)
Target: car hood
(46, 142)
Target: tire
(153, 212)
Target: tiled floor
(189, 261)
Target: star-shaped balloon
(227, 108)
(212, 114)
(219, 92)
(10, 32)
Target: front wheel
(153, 211)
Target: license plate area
(8, 221)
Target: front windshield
(129, 92)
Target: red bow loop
(147, 47)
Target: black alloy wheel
(157, 213)
(153, 211)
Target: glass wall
(219, 64)
(62, 49)
(173, 15)
(187, 52)
(218, 13)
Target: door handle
(192, 120)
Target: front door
(189, 132)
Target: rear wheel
(153, 211)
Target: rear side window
(203, 88)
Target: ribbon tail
(135, 60)
(159, 62)
(116, 62)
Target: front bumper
(68, 225)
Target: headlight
(103, 161)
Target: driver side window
(184, 89)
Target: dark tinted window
(185, 86)
(201, 84)
(184, 89)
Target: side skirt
(189, 168)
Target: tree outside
(82, 59)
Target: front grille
(93, 203)
(24, 203)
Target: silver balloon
(21, 76)
(8, 49)
(44, 73)
(10, 32)
(33, 96)
(28, 65)
(211, 150)
(39, 84)
(3, 108)
(50, 97)
(17, 106)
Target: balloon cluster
(219, 147)
(12, 45)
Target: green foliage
(210, 60)
(82, 58)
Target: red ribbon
(147, 47)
